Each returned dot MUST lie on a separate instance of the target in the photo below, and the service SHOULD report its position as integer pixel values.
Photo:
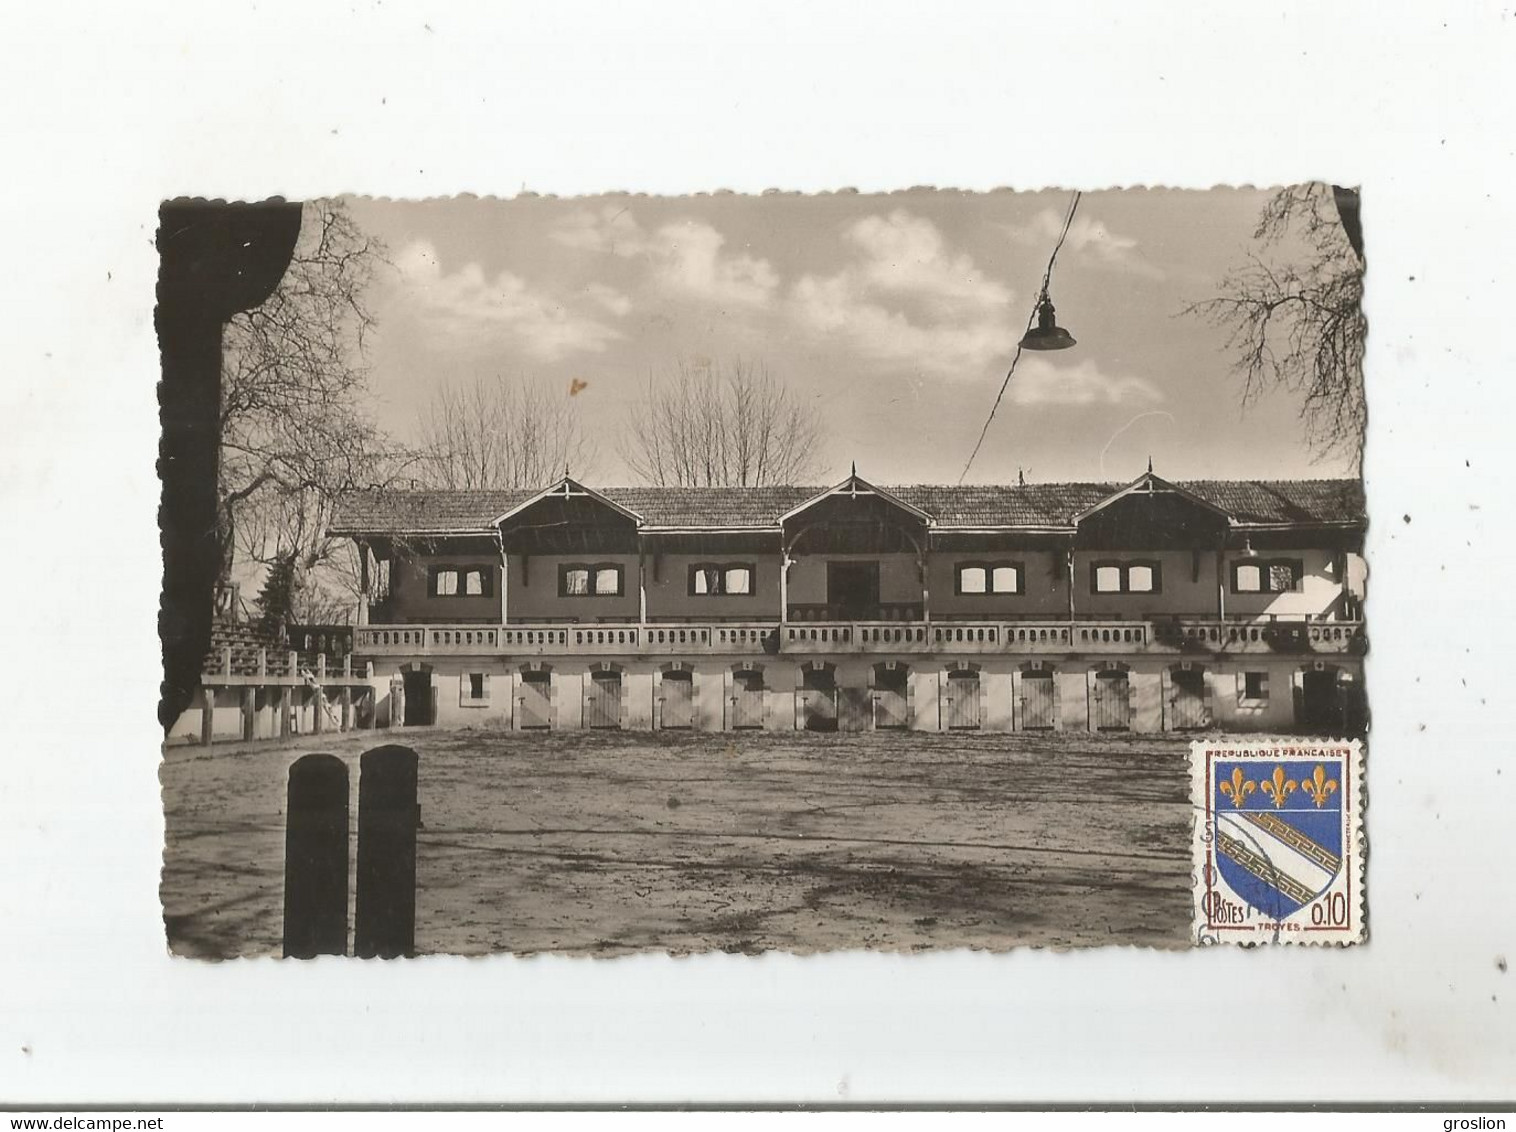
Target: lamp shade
(1047, 334)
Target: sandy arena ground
(605, 843)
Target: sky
(895, 316)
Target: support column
(784, 583)
(641, 585)
(1221, 584)
(505, 580)
(286, 712)
(319, 708)
(207, 716)
(1069, 581)
(923, 559)
(346, 699)
(365, 583)
(249, 713)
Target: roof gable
(1052, 507)
(853, 488)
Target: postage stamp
(1278, 848)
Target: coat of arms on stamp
(1278, 841)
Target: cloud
(907, 299)
(1086, 237)
(467, 304)
(1039, 381)
(687, 257)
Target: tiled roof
(970, 505)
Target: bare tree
(721, 424)
(497, 433)
(296, 436)
(1295, 313)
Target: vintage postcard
(908, 571)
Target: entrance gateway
(1187, 710)
(961, 706)
(890, 703)
(677, 700)
(535, 700)
(1111, 708)
(603, 708)
(852, 590)
(747, 698)
(818, 697)
(1037, 703)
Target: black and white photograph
(673, 560)
(720, 572)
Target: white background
(104, 112)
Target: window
(1126, 578)
(1253, 687)
(474, 689)
(602, 579)
(989, 578)
(729, 579)
(461, 581)
(1281, 575)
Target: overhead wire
(1047, 279)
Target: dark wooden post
(315, 858)
(385, 917)
(346, 696)
(249, 712)
(319, 699)
(286, 711)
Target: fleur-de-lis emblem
(1237, 790)
(1278, 788)
(1319, 786)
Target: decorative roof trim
(567, 488)
(856, 485)
(1149, 480)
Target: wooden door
(1187, 700)
(889, 698)
(1321, 703)
(853, 708)
(818, 699)
(1037, 701)
(678, 696)
(963, 701)
(747, 699)
(535, 699)
(1113, 708)
(419, 702)
(604, 708)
